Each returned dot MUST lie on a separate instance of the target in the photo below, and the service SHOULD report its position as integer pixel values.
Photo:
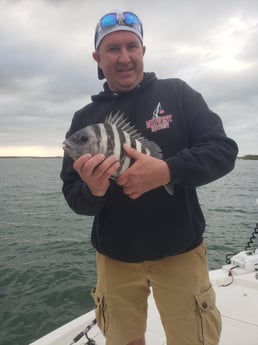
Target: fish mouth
(69, 149)
(67, 146)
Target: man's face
(120, 56)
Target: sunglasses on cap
(124, 18)
(113, 19)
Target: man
(144, 236)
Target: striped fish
(108, 138)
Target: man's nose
(124, 56)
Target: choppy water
(47, 264)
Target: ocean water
(47, 264)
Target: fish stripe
(116, 144)
(133, 143)
(125, 161)
(121, 141)
(144, 150)
(110, 140)
(97, 130)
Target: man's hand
(145, 174)
(96, 171)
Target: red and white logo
(159, 120)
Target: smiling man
(145, 236)
(120, 57)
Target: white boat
(236, 286)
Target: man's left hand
(145, 174)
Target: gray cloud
(47, 71)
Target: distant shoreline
(249, 157)
(245, 157)
(34, 157)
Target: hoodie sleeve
(210, 154)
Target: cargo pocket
(209, 316)
(101, 314)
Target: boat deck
(238, 304)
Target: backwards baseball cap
(116, 21)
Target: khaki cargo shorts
(182, 292)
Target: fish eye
(84, 138)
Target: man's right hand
(96, 171)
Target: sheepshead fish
(108, 138)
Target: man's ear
(96, 57)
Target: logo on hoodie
(159, 119)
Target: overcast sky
(47, 71)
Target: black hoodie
(196, 149)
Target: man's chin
(127, 82)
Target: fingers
(131, 191)
(96, 171)
(131, 152)
(107, 168)
(80, 162)
(122, 179)
(97, 165)
(146, 173)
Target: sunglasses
(124, 18)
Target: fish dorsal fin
(124, 124)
